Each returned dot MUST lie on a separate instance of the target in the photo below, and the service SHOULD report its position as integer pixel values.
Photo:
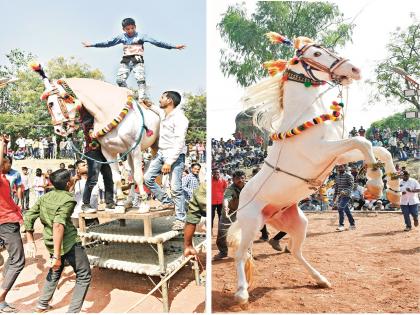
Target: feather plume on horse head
(36, 66)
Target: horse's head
(62, 108)
(60, 103)
(316, 61)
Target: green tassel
(341, 104)
(307, 84)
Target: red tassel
(149, 132)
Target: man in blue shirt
(133, 48)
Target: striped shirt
(343, 182)
(190, 183)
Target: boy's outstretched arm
(157, 43)
(115, 41)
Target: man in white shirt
(170, 158)
(409, 200)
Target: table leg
(162, 266)
(82, 227)
(148, 227)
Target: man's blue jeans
(177, 169)
(407, 210)
(343, 207)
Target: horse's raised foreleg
(249, 222)
(336, 148)
(393, 183)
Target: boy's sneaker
(407, 229)
(416, 222)
(219, 256)
(110, 206)
(88, 209)
(340, 228)
(352, 227)
(42, 310)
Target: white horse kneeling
(120, 124)
(307, 144)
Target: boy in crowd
(60, 237)
(133, 50)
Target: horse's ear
(301, 41)
(275, 66)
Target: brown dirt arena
(374, 269)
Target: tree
(403, 52)
(195, 110)
(20, 105)
(395, 122)
(248, 48)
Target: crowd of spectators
(40, 148)
(239, 153)
(402, 143)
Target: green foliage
(248, 46)
(20, 104)
(395, 122)
(403, 52)
(195, 110)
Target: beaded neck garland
(336, 114)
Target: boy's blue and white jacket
(133, 45)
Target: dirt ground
(374, 269)
(111, 291)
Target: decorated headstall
(302, 45)
(61, 103)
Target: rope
(123, 155)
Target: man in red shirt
(10, 220)
(218, 187)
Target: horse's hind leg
(250, 221)
(298, 234)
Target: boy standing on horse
(170, 158)
(133, 49)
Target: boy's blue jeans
(138, 71)
(407, 210)
(177, 168)
(343, 207)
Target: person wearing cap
(133, 57)
(409, 200)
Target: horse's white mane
(265, 97)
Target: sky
(50, 29)
(373, 26)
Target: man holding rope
(230, 206)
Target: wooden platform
(131, 214)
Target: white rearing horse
(105, 102)
(299, 160)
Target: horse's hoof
(324, 284)
(241, 300)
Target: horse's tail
(233, 240)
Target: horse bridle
(309, 64)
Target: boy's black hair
(60, 178)
(78, 162)
(128, 21)
(238, 174)
(195, 164)
(24, 168)
(174, 96)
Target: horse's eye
(317, 54)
